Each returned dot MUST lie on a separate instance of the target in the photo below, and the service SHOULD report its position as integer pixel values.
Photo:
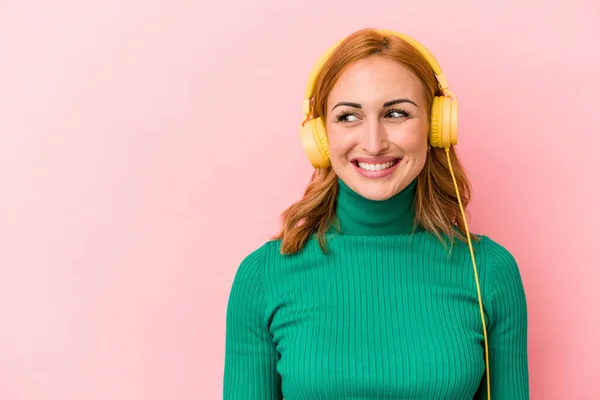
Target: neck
(361, 216)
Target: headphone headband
(312, 79)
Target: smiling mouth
(376, 166)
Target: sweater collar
(360, 216)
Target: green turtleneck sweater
(387, 314)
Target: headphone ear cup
(454, 121)
(435, 129)
(443, 132)
(446, 119)
(314, 141)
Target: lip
(376, 174)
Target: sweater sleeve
(250, 354)
(507, 330)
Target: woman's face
(377, 127)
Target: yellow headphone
(442, 134)
(444, 112)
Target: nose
(374, 139)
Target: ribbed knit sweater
(388, 313)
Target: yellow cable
(487, 362)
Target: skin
(374, 131)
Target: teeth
(375, 167)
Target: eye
(398, 113)
(346, 117)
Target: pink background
(147, 146)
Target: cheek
(340, 143)
(411, 140)
(417, 143)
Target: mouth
(375, 164)
(376, 167)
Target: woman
(374, 288)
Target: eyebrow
(386, 104)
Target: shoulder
(499, 258)
(506, 280)
(253, 262)
(250, 271)
(248, 293)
